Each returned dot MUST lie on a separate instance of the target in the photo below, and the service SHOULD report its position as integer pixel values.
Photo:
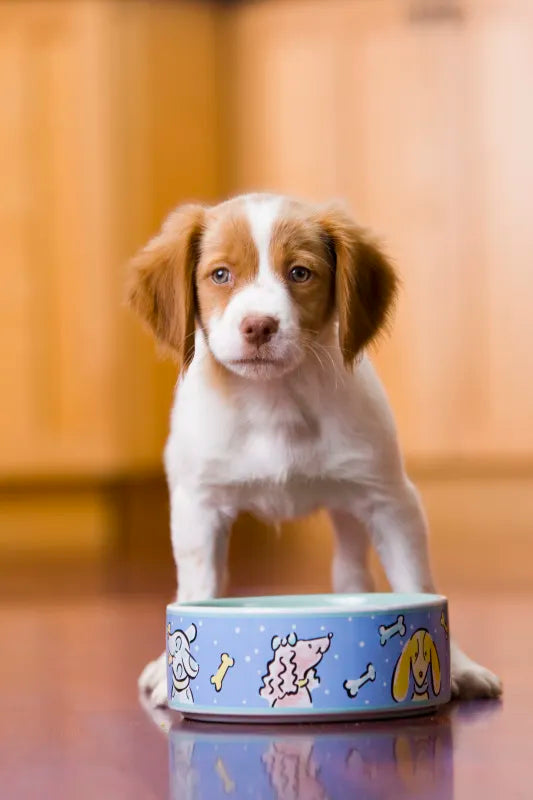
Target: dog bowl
(308, 657)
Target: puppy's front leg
(398, 529)
(199, 536)
(350, 557)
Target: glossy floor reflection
(307, 762)
(71, 725)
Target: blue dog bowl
(308, 657)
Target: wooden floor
(71, 725)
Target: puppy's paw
(153, 681)
(471, 681)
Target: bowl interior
(311, 603)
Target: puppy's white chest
(277, 452)
(279, 474)
(280, 501)
(279, 455)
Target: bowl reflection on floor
(400, 759)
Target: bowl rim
(335, 605)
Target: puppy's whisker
(310, 349)
(333, 365)
(325, 350)
(312, 344)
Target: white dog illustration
(184, 666)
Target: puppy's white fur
(304, 435)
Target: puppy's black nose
(258, 330)
(420, 674)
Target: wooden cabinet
(107, 120)
(420, 114)
(102, 131)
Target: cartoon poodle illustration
(418, 654)
(291, 674)
(184, 667)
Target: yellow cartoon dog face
(418, 655)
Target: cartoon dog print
(291, 674)
(184, 666)
(419, 656)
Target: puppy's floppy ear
(365, 282)
(161, 285)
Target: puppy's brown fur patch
(161, 286)
(365, 281)
(227, 242)
(298, 241)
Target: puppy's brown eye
(221, 275)
(299, 274)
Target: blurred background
(417, 112)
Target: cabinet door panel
(102, 131)
(503, 52)
(421, 116)
(53, 223)
(411, 170)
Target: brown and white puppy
(267, 304)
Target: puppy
(267, 303)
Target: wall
(417, 113)
(101, 132)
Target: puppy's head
(263, 276)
